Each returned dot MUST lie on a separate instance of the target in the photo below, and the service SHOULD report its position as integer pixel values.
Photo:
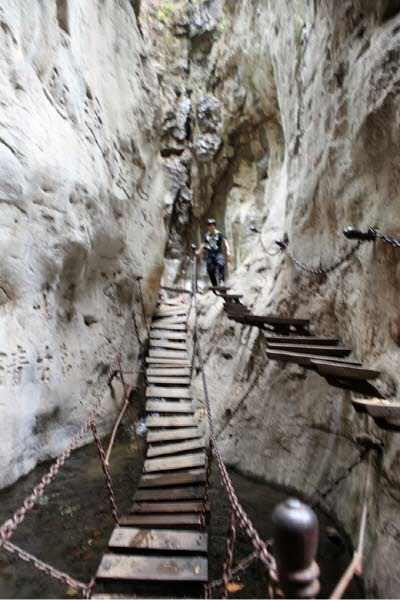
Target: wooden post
(295, 539)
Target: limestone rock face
(81, 196)
(305, 141)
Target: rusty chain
(46, 568)
(141, 297)
(318, 270)
(243, 519)
(9, 527)
(387, 239)
(230, 545)
(236, 572)
(106, 470)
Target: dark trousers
(216, 268)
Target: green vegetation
(222, 26)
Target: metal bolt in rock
(353, 233)
(295, 540)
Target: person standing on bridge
(215, 243)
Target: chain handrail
(243, 519)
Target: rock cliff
(81, 209)
(294, 127)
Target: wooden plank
(163, 449)
(153, 568)
(179, 493)
(308, 349)
(173, 434)
(378, 408)
(172, 320)
(303, 359)
(170, 422)
(168, 354)
(344, 371)
(171, 372)
(168, 326)
(164, 392)
(168, 407)
(168, 335)
(187, 461)
(168, 380)
(158, 539)
(172, 479)
(189, 506)
(161, 520)
(272, 320)
(168, 344)
(168, 362)
(170, 312)
(315, 341)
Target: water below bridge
(71, 525)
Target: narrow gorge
(125, 125)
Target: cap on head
(211, 222)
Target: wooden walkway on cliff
(164, 537)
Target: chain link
(319, 270)
(230, 545)
(387, 239)
(243, 519)
(106, 470)
(46, 568)
(141, 297)
(9, 527)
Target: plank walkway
(164, 537)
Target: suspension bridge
(164, 536)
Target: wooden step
(165, 334)
(163, 449)
(304, 360)
(173, 520)
(171, 320)
(179, 493)
(186, 461)
(359, 386)
(155, 391)
(168, 354)
(171, 372)
(168, 380)
(168, 507)
(315, 341)
(171, 311)
(271, 320)
(158, 539)
(173, 434)
(154, 568)
(168, 344)
(159, 406)
(168, 326)
(168, 362)
(344, 371)
(379, 408)
(190, 477)
(309, 349)
(178, 421)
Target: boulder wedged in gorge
(81, 209)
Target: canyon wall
(294, 127)
(82, 207)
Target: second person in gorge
(214, 243)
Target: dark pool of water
(72, 524)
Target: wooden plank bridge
(164, 536)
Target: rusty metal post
(295, 539)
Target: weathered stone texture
(81, 191)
